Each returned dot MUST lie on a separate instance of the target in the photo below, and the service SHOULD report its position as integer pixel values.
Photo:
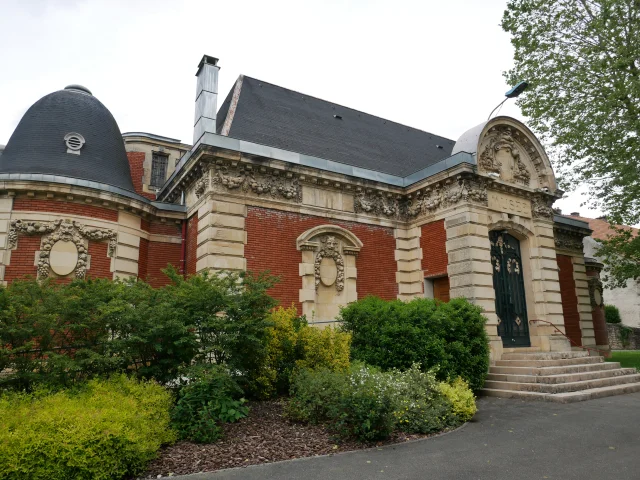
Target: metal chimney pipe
(206, 98)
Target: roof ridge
(233, 104)
(349, 108)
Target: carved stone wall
(64, 244)
(328, 271)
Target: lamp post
(513, 93)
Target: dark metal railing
(604, 353)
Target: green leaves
(582, 60)
(395, 334)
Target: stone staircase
(562, 377)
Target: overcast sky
(431, 64)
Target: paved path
(507, 440)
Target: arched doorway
(508, 283)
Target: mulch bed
(265, 436)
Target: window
(159, 164)
(437, 288)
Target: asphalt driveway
(507, 440)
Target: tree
(582, 61)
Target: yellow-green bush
(106, 430)
(324, 348)
(461, 397)
(292, 344)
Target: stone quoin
(340, 204)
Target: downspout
(183, 255)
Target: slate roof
(37, 145)
(271, 115)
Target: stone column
(125, 262)
(469, 268)
(593, 269)
(545, 290)
(584, 301)
(221, 236)
(6, 205)
(409, 275)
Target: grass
(627, 358)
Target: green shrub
(104, 430)
(61, 335)
(420, 406)
(393, 334)
(292, 345)
(612, 314)
(229, 314)
(364, 409)
(368, 404)
(460, 396)
(208, 397)
(314, 394)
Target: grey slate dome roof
(38, 144)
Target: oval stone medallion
(63, 257)
(328, 271)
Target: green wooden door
(508, 282)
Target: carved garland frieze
(65, 231)
(568, 241)
(376, 203)
(201, 185)
(272, 184)
(447, 194)
(330, 249)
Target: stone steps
(559, 362)
(561, 378)
(556, 370)
(558, 377)
(563, 387)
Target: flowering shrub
(419, 405)
(369, 404)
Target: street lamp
(513, 93)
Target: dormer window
(159, 163)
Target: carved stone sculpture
(540, 209)
(329, 249)
(61, 231)
(489, 162)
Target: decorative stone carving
(489, 160)
(567, 241)
(596, 290)
(430, 200)
(330, 249)
(272, 184)
(540, 209)
(61, 231)
(201, 185)
(375, 203)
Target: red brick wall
(569, 299)
(434, 250)
(192, 244)
(136, 165)
(22, 260)
(100, 262)
(160, 255)
(271, 245)
(64, 208)
(143, 259)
